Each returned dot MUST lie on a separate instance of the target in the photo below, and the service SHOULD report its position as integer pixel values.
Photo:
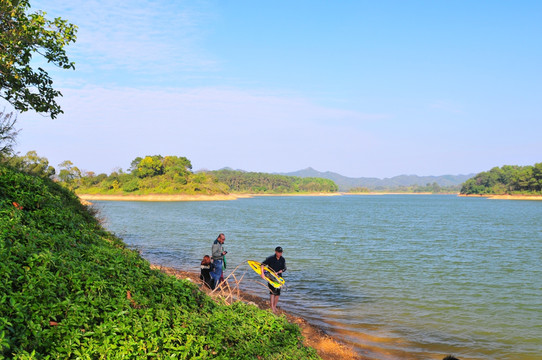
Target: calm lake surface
(414, 276)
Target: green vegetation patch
(258, 183)
(520, 180)
(149, 175)
(170, 175)
(70, 289)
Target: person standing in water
(278, 264)
(217, 253)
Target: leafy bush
(73, 290)
(131, 185)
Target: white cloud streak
(215, 127)
(141, 36)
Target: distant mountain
(346, 183)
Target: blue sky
(362, 88)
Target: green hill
(70, 289)
(508, 179)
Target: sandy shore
(327, 347)
(160, 197)
(294, 194)
(220, 197)
(225, 197)
(507, 197)
(185, 197)
(392, 193)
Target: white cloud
(141, 36)
(107, 127)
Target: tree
(537, 174)
(22, 35)
(150, 166)
(8, 133)
(68, 173)
(32, 163)
(135, 165)
(175, 165)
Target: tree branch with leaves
(8, 133)
(22, 35)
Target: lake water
(397, 276)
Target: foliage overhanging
(23, 35)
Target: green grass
(65, 284)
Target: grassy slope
(70, 289)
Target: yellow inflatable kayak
(270, 275)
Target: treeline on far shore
(508, 179)
(173, 175)
(432, 188)
(257, 183)
(166, 175)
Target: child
(206, 268)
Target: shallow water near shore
(396, 276)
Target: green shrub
(131, 186)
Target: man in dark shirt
(278, 264)
(217, 253)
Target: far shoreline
(504, 196)
(224, 197)
(189, 197)
(236, 196)
(157, 197)
(396, 193)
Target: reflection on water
(424, 275)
